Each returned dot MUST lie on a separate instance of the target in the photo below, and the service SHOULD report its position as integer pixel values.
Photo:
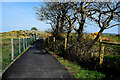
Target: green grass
(78, 71)
(112, 37)
(11, 62)
(6, 51)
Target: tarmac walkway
(37, 64)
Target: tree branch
(112, 26)
(71, 22)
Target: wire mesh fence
(112, 49)
(11, 48)
(6, 52)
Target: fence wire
(19, 45)
(6, 52)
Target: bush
(111, 65)
(112, 49)
(77, 51)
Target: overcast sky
(21, 16)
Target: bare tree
(105, 15)
(63, 16)
(50, 14)
(56, 14)
(78, 16)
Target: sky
(21, 16)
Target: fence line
(26, 42)
(12, 47)
(101, 46)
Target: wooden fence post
(19, 47)
(23, 44)
(65, 43)
(54, 43)
(101, 52)
(12, 49)
(44, 41)
(48, 41)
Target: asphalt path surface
(37, 64)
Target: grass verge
(78, 71)
(15, 59)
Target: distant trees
(34, 28)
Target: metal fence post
(19, 47)
(26, 42)
(23, 44)
(12, 48)
(29, 41)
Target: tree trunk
(81, 26)
(68, 36)
(57, 27)
(99, 33)
(62, 19)
(93, 42)
(62, 24)
(80, 33)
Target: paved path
(36, 64)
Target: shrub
(111, 64)
(77, 51)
